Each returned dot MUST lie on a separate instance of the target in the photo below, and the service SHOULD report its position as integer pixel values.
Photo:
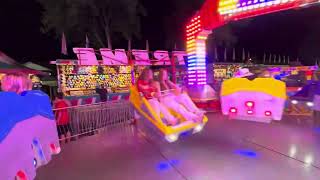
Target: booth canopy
(9, 65)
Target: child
(62, 117)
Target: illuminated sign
(231, 7)
(87, 57)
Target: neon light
(230, 8)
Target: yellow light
(191, 45)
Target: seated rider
(177, 100)
(148, 88)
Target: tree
(99, 18)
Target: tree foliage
(100, 19)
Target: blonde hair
(17, 82)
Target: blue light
(163, 166)
(246, 153)
(35, 142)
(317, 129)
(174, 162)
(184, 134)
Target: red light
(250, 104)
(250, 112)
(54, 149)
(268, 113)
(21, 175)
(233, 110)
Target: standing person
(149, 89)
(62, 116)
(103, 93)
(178, 101)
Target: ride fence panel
(89, 119)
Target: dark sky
(289, 33)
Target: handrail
(85, 105)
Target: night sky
(294, 33)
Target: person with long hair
(150, 90)
(16, 82)
(173, 97)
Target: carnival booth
(117, 71)
(28, 134)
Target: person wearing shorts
(62, 117)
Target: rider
(178, 101)
(150, 90)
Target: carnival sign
(87, 56)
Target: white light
(172, 138)
(198, 128)
(293, 151)
(277, 2)
(308, 159)
(262, 4)
(294, 102)
(269, 3)
(310, 104)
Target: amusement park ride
(29, 138)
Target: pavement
(224, 150)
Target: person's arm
(176, 88)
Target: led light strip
(249, 5)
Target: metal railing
(90, 119)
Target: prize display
(83, 80)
